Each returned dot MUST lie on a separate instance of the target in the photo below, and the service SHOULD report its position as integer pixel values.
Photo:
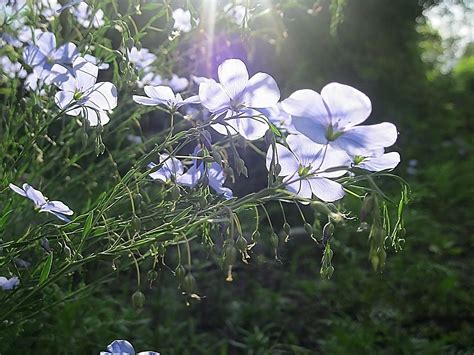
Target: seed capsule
(189, 284)
(138, 300)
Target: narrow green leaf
(46, 269)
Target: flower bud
(152, 275)
(175, 193)
(367, 206)
(137, 199)
(328, 231)
(286, 228)
(230, 254)
(189, 284)
(217, 157)
(277, 169)
(136, 223)
(180, 273)
(85, 138)
(274, 240)
(138, 300)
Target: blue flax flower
(9, 284)
(171, 168)
(163, 95)
(307, 167)
(81, 95)
(333, 117)
(42, 55)
(42, 204)
(237, 96)
(123, 347)
(376, 161)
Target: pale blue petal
(213, 96)
(56, 206)
(17, 189)
(387, 161)
(348, 106)
(34, 195)
(307, 103)
(305, 150)
(163, 93)
(332, 163)
(361, 140)
(33, 56)
(300, 187)
(172, 164)
(63, 78)
(66, 53)
(326, 190)
(192, 176)
(102, 95)
(311, 128)
(233, 76)
(121, 347)
(247, 127)
(85, 72)
(287, 160)
(64, 99)
(46, 41)
(261, 91)
(95, 116)
(217, 179)
(147, 101)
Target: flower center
(332, 134)
(358, 159)
(77, 95)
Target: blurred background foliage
(422, 301)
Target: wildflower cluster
(146, 194)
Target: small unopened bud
(137, 199)
(175, 193)
(67, 251)
(217, 157)
(136, 223)
(229, 173)
(180, 273)
(274, 239)
(277, 169)
(138, 300)
(328, 231)
(152, 275)
(230, 256)
(189, 284)
(367, 206)
(85, 138)
(286, 228)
